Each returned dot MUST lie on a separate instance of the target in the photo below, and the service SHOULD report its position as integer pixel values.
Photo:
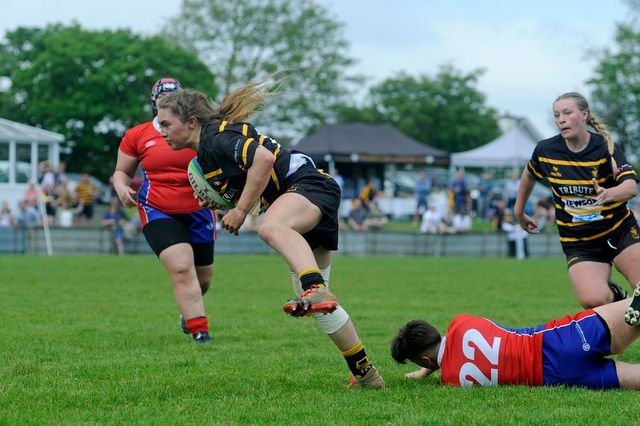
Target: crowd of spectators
(50, 201)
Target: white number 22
(491, 352)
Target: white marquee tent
(512, 149)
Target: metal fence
(98, 241)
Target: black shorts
(605, 249)
(319, 188)
(164, 233)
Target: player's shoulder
(140, 129)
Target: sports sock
(198, 324)
(311, 277)
(357, 360)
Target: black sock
(357, 360)
(311, 277)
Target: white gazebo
(22, 148)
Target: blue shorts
(574, 354)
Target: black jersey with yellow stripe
(226, 153)
(569, 174)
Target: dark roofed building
(369, 143)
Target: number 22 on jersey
(482, 364)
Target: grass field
(95, 340)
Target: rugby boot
(317, 300)
(632, 317)
(372, 380)
(183, 325)
(201, 338)
(618, 292)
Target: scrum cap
(163, 85)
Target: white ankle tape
(334, 321)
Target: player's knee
(269, 232)
(330, 323)
(593, 301)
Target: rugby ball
(203, 189)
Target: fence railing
(98, 241)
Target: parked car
(104, 191)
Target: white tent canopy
(512, 149)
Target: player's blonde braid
(599, 126)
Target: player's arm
(419, 374)
(258, 175)
(527, 182)
(126, 166)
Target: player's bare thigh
(628, 375)
(628, 263)
(293, 211)
(589, 281)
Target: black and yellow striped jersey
(569, 175)
(226, 153)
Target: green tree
(89, 85)
(245, 40)
(446, 111)
(616, 86)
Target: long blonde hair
(594, 121)
(236, 106)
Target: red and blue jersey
(166, 186)
(571, 350)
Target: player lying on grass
(570, 351)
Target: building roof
(368, 143)
(13, 131)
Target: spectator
(31, 194)
(423, 189)
(114, 219)
(65, 213)
(544, 212)
(512, 190)
(27, 216)
(462, 223)
(431, 221)
(339, 180)
(460, 193)
(368, 194)
(376, 220)
(6, 216)
(86, 192)
(516, 236)
(47, 175)
(358, 216)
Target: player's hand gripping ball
(212, 198)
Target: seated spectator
(376, 220)
(114, 219)
(6, 216)
(462, 223)
(431, 221)
(65, 213)
(27, 216)
(358, 216)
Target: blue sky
(532, 50)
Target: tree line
(91, 86)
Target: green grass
(95, 340)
